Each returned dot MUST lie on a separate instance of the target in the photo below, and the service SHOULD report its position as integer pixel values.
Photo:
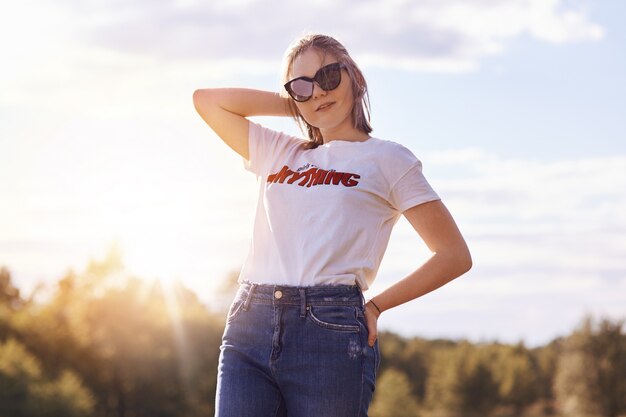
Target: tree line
(102, 343)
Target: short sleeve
(265, 146)
(411, 187)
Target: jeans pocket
(234, 309)
(333, 317)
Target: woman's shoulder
(275, 140)
(257, 129)
(391, 148)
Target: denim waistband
(311, 295)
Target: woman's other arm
(450, 259)
(225, 111)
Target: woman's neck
(350, 134)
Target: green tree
(591, 374)
(393, 397)
(11, 304)
(547, 358)
(26, 391)
(10, 296)
(516, 373)
(143, 349)
(461, 382)
(410, 355)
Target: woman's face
(339, 114)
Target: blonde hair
(361, 104)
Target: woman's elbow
(464, 260)
(458, 260)
(467, 262)
(206, 104)
(200, 96)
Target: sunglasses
(328, 78)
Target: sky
(516, 109)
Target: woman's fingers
(372, 325)
(373, 334)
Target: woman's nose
(317, 90)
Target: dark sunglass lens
(301, 89)
(330, 77)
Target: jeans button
(278, 294)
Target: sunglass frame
(313, 80)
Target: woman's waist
(297, 295)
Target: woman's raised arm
(225, 111)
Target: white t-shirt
(324, 215)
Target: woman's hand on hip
(371, 320)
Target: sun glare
(157, 262)
(151, 260)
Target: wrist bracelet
(374, 304)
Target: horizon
(115, 275)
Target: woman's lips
(325, 106)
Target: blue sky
(516, 109)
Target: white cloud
(69, 55)
(428, 35)
(581, 192)
(566, 26)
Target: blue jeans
(296, 352)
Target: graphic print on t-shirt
(313, 176)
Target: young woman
(299, 340)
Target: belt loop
(246, 304)
(302, 302)
(362, 297)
